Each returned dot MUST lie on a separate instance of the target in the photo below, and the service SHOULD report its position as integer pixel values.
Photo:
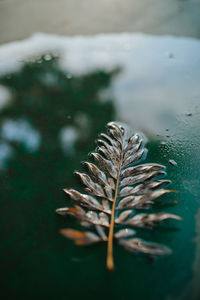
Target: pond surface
(56, 95)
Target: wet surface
(51, 111)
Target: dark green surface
(36, 262)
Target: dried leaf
(94, 188)
(148, 220)
(105, 164)
(80, 238)
(140, 169)
(133, 158)
(142, 188)
(140, 178)
(106, 205)
(118, 188)
(133, 201)
(96, 173)
(123, 233)
(138, 245)
(84, 199)
(123, 216)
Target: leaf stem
(110, 261)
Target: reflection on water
(20, 131)
(51, 110)
(159, 74)
(6, 152)
(45, 134)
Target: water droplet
(47, 57)
(69, 117)
(172, 162)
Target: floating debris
(172, 162)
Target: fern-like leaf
(116, 190)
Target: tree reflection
(66, 112)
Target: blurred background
(20, 19)
(67, 68)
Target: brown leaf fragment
(123, 233)
(79, 237)
(138, 245)
(116, 132)
(140, 169)
(96, 173)
(115, 159)
(104, 219)
(148, 220)
(106, 205)
(131, 142)
(76, 211)
(101, 232)
(111, 149)
(140, 178)
(72, 234)
(133, 158)
(105, 164)
(144, 205)
(97, 219)
(142, 188)
(111, 141)
(109, 192)
(132, 151)
(92, 217)
(123, 216)
(134, 201)
(62, 210)
(83, 198)
(94, 188)
(111, 182)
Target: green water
(37, 262)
